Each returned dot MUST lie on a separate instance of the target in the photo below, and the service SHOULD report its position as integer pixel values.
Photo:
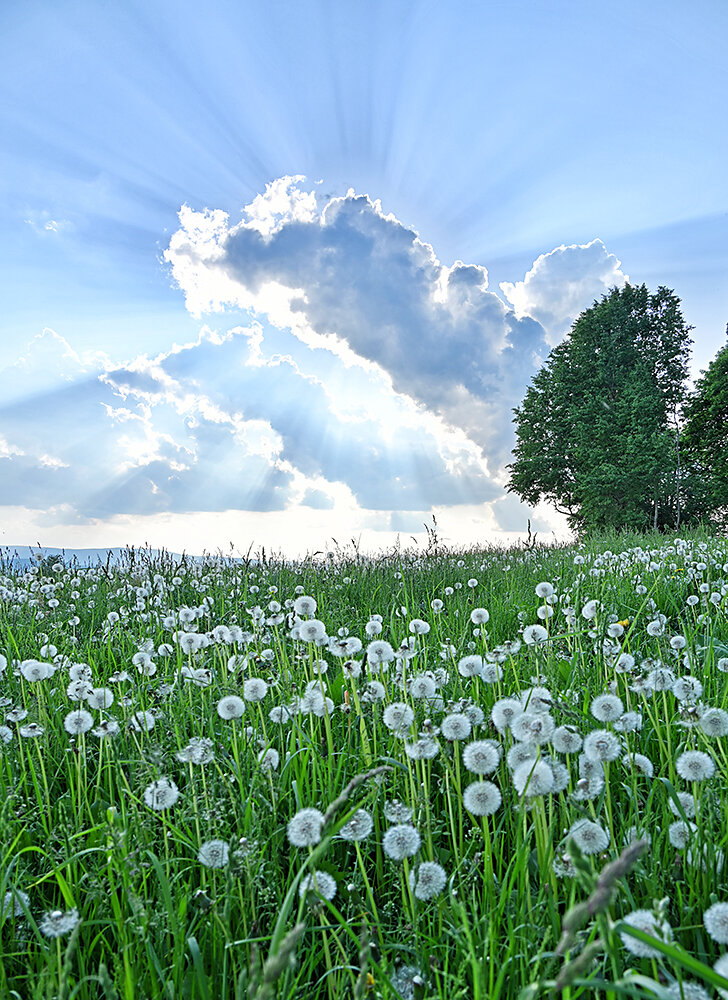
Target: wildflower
(534, 635)
(638, 762)
(199, 750)
(504, 712)
(406, 981)
(481, 756)
(161, 794)
(398, 717)
(379, 651)
(694, 765)
(544, 590)
(78, 721)
(532, 779)
(100, 698)
(31, 730)
(255, 689)
(358, 827)
(646, 921)
(305, 605)
(715, 919)
(397, 812)
(482, 798)
(629, 722)
(34, 670)
(533, 727)
(456, 726)
(319, 882)
(269, 759)
(142, 722)
(471, 666)
(520, 753)
(679, 834)
(401, 841)
(566, 739)
(304, 829)
(479, 616)
(428, 881)
(419, 627)
(312, 630)
(590, 610)
(214, 854)
(425, 748)
(279, 714)
(687, 804)
(589, 837)
(230, 707)
(721, 967)
(13, 903)
(536, 699)
(606, 708)
(714, 722)
(422, 686)
(687, 689)
(602, 745)
(688, 990)
(57, 924)
(107, 727)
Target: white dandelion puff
(214, 854)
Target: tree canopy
(596, 433)
(704, 445)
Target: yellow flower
(370, 981)
(625, 623)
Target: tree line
(609, 432)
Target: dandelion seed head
(695, 765)
(358, 827)
(715, 920)
(214, 854)
(533, 779)
(78, 721)
(161, 794)
(319, 882)
(482, 798)
(230, 706)
(606, 708)
(428, 880)
(646, 921)
(481, 756)
(304, 829)
(456, 726)
(401, 841)
(589, 837)
(56, 923)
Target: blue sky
(276, 272)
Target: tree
(704, 445)
(596, 431)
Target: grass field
(472, 774)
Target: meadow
(447, 774)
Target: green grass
(522, 914)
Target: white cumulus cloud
(562, 283)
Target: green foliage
(704, 445)
(594, 434)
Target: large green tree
(704, 445)
(596, 433)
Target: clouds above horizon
(366, 375)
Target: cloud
(371, 385)
(562, 283)
(352, 280)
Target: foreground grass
(145, 815)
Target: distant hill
(26, 555)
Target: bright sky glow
(276, 273)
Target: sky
(275, 274)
